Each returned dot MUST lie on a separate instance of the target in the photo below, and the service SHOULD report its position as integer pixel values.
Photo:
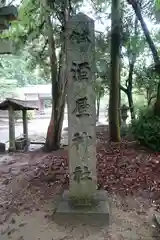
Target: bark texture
(115, 73)
(59, 82)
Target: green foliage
(99, 88)
(14, 73)
(146, 129)
(6, 87)
(15, 76)
(31, 42)
(139, 104)
(157, 4)
(146, 81)
(124, 130)
(102, 57)
(30, 115)
(18, 115)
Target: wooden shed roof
(17, 104)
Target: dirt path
(30, 182)
(39, 225)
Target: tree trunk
(150, 42)
(157, 103)
(131, 106)
(129, 88)
(119, 105)
(50, 139)
(152, 47)
(58, 88)
(98, 107)
(120, 61)
(115, 76)
(129, 82)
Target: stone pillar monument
(81, 107)
(80, 53)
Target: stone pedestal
(97, 214)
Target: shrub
(124, 130)
(30, 115)
(18, 115)
(146, 129)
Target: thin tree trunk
(120, 62)
(148, 95)
(98, 108)
(115, 76)
(131, 106)
(129, 89)
(58, 90)
(150, 99)
(129, 82)
(50, 139)
(150, 42)
(152, 47)
(119, 106)
(157, 103)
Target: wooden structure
(16, 105)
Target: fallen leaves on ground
(123, 169)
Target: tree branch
(152, 97)
(150, 42)
(123, 89)
(45, 45)
(30, 31)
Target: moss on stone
(82, 201)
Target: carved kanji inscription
(82, 107)
(80, 71)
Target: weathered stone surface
(82, 202)
(81, 105)
(99, 195)
(98, 214)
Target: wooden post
(25, 124)
(12, 146)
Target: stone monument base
(98, 214)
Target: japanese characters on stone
(80, 174)
(80, 71)
(80, 35)
(81, 107)
(80, 57)
(81, 138)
